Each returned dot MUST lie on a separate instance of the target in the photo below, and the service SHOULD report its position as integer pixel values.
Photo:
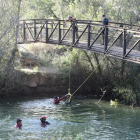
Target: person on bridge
(73, 22)
(56, 99)
(105, 22)
(19, 124)
(43, 121)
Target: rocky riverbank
(38, 84)
(37, 75)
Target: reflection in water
(83, 119)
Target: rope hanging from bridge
(54, 111)
(81, 84)
(69, 77)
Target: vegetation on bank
(121, 79)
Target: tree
(10, 11)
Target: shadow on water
(82, 119)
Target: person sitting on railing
(105, 22)
(73, 21)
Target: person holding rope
(72, 21)
(56, 99)
(68, 97)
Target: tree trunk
(98, 63)
(89, 60)
(122, 68)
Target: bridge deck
(117, 52)
(123, 43)
(114, 51)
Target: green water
(82, 120)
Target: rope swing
(81, 84)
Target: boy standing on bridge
(72, 21)
(105, 22)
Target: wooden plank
(115, 51)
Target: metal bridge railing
(90, 35)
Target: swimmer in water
(19, 124)
(56, 99)
(43, 121)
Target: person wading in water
(56, 99)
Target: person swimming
(68, 98)
(56, 99)
(43, 121)
(19, 124)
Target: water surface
(82, 119)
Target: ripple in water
(83, 119)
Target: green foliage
(120, 11)
(37, 9)
(36, 68)
(111, 73)
(9, 13)
(126, 95)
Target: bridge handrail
(90, 32)
(83, 21)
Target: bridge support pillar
(73, 34)
(24, 32)
(59, 37)
(106, 39)
(52, 29)
(121, 37)
(46, 31)
(34, 30)
(88, 43)
(124, 43)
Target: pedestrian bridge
(122, 40)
